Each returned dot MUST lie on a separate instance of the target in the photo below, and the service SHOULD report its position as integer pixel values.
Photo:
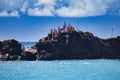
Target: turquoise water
(61, 70)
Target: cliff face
(115, 43)
(64, 45)
(78, 45)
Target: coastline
(63, 44)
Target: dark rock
(11, 48)
(63, 45)
(13, 58)
(28, 56)
(78, 45)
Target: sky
(30, 20)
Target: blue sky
(30, 20)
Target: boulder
(29, 54)
(11, 48)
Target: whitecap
(86, 62)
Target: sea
(96, 69)
(28, 44)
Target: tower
(78, 21)
(112, 33)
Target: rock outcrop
(29, 54)
(78, 45)
(64, 43)
(10, 49)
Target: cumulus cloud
(39, 12)
(24, 7)
(9, 14)
(44, 2)
(10, 4)
(42, 8)
(83, 8)
(63, 8)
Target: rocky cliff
(63, 44)
(78, 45)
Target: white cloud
(63, 8)
(24, 6)
(46, 10)
(10, 4)
(39, 12)
(83, 8)
(48, 2)
(9, 14)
